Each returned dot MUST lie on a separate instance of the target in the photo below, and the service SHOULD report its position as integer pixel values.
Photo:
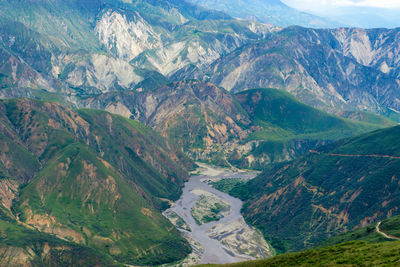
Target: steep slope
(284, 129)
(335, 189)
(212, 124)
(341, 69)
(92, 179)
(79, 198)
(21, 246)
(200, 117)
(267, 11)
(276, 107)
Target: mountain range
(111, 45)
(106, 104)
(272, 12)
(248, 129)
(341, 69)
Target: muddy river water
(225, 241)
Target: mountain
(80, 48)
(103, 46)
(248, 129)
(89, 181)
(335, 70)
(362, 17)
(331, 190)
(267, 11)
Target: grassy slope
(121, 148)
(281, 117)
(286, 128)
(368, 118)
(325, 195)
(89, 184)
(80, 191)
(346, 254)
(16, 238)
(361, 247)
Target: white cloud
(324, 4)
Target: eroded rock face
(102, 72)
(375, 48)
(126, 38)
(8, 191)
(200, 117)
(330, 69)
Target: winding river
(225, 241)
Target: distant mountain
(267, 11)
(335, 189)
(363, 17)
(87, 183)
(335, 70)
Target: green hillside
(346, 254)
(281, 116)
(340, 187)
(90, 179)
(285, 128)
(368, 117)
(361, 247)
(24, 247)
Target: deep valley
(185, 132)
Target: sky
(319, 5)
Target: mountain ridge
(66, 178)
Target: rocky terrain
(341, 69)
(109, 45)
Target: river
(225, 241)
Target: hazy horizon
(323, 5)
(353, 13)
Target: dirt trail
(378, 230)
(355, 155)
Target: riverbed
(227, 240)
